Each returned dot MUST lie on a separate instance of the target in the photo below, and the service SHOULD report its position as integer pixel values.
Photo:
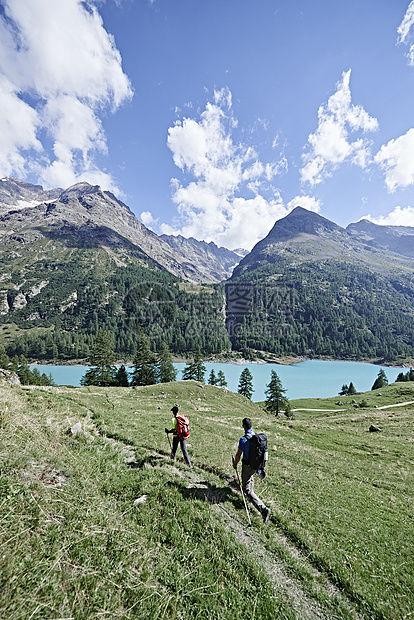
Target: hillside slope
(398, 239)
(86, 216)
(103, 523)
(315, 289)
(76, 261)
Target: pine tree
(14, 364)
(347, 390)
(380, 381)
(288, 411)
(212, 380)
(221, 379)
(401, 377)
(195, 370)
(144, 364)
(102, 361)
(24, 372)
(4, 358)
(351, 389)
(275, 395)
(121, 377)
(200, 369)
(189, 371)
(165, 368)
(246, 384)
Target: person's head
(247, 424)
(175, 410)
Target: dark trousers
(248, 487)
(175, 443)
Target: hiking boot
(266, 515)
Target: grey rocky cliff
(18, 194)
(85, 215)
(398, 239)
(213, 262)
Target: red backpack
(183, 426)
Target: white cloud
(401, 216)
(18, 126)
(330, 145)
(396, 158)
(148, 220)
(404, 32)
(62, 70)
(306, 202)
(230, 199)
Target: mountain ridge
(81, 261)
(86, 214)
(307, 236)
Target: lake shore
(310, 378)
(240, 361)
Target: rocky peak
(79, 190)
(398, 239)
(213, 262)
(299, 221)
(16, 194)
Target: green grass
(10, 331)
(73, 544)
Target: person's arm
(174, 428)
(237, 458)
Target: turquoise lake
(309, 379)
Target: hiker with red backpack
(253, 448)
(181, 432)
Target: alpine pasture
(102, 524)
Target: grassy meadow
(74, 543)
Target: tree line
(323, 309)
(20, 366)
(128, 302)
(150, 368)
(329, 308)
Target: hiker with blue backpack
(181, 431)
(253, 448)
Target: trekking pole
(169, 440)
(241, 490)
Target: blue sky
(214, 118)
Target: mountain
(398, 239)
(305, 236)
(76, 261)
(314, 288)
(81, 216)
(213, 263)
(86, 216)
(18, 194)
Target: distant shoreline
(284, 361)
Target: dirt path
(273, 557)
(409, 402)
(322, 410)
(205, 485)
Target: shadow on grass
(205, 491)
(214, 495)
(202, 490)
(149, 460)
